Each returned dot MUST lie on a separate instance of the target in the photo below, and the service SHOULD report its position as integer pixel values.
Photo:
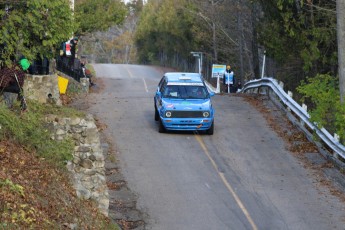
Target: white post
(200, 62)
(263, 65)
(218, 86)
(199, 56)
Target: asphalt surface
(242, 177)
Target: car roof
(183, 77)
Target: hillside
(36, 194)
(35, 188)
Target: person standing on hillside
(12, 81)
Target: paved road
(242, 177)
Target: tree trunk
(215, 53)
(214, 36)
(240, 39)
(341, 46)
(255, 48)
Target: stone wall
(45, 89)
(87, 166)
(42, 88)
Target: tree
(98, 15)
(220, 29)
(300, 37)
(341, 46)
(164, 31)
(33, 28)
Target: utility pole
(198, 55)
(341, 47)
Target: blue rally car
(182, 102)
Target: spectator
(12, 81)
(73, 51)
(45, 66)
(239, 86)
(229, 80)
(87, 73)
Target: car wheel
(161, 128)
(156, 114)
(211, 129)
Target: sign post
(218, 72)
(218, 85)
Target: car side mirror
(158, 94)
(211, 94)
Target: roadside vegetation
(322, 93)
(35, 187)
(30, 131)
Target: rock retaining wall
(42, 88)
(88, 161)
(45, 89)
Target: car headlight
(206, 114)
(168, 114)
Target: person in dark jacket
(73, 48)
(12, 80)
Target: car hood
(181, 104)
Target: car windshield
(185, 92)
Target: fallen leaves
(35, 194)
(295, 140)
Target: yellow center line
(227, 184)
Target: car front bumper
(187, 124)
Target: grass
(30, 130)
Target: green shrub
(326, 110)
(30, 130)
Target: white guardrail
(286, 98)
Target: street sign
(218, 70)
